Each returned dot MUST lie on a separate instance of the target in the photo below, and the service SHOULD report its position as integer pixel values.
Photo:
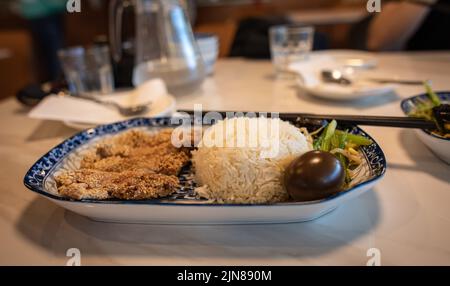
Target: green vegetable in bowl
(343, 145)
(434, 110)
(432, 95)
(425, 109)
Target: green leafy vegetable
(341, 143)
(329, 132)
(355, 139)
(424, 109)
(432, 95)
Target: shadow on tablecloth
(425, 160)
(48, 129)
(56, 230)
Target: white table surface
(406, 216)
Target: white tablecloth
(406, 216)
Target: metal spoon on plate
(123, 110)
(336, 76)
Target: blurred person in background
(46, 24)
(409, 25)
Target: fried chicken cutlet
(132, 165)
(128, 185)
(137, 151)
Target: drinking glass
(288, 44)
(87, 71)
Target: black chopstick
(387, 121)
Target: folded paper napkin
(310, 79)
(73, 109)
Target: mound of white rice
(236, 163)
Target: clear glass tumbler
(288, 44)
(87, 71)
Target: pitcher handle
(116, 8)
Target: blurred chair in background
(46, 23)
(16, 66)
(252, 37)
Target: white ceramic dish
(439, 146)
(353, 58)
(343, 93)
(352, 63)
(81, 114)
(183, 207)
(164, 106)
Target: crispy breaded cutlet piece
(127, 185)
(135, 150)
(169, 164)
(132, 166)
(137, 138)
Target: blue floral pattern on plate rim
(35, 177)
(410, 103)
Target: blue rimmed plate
(183, 207)
(438, 145)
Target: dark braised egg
(314, 175)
